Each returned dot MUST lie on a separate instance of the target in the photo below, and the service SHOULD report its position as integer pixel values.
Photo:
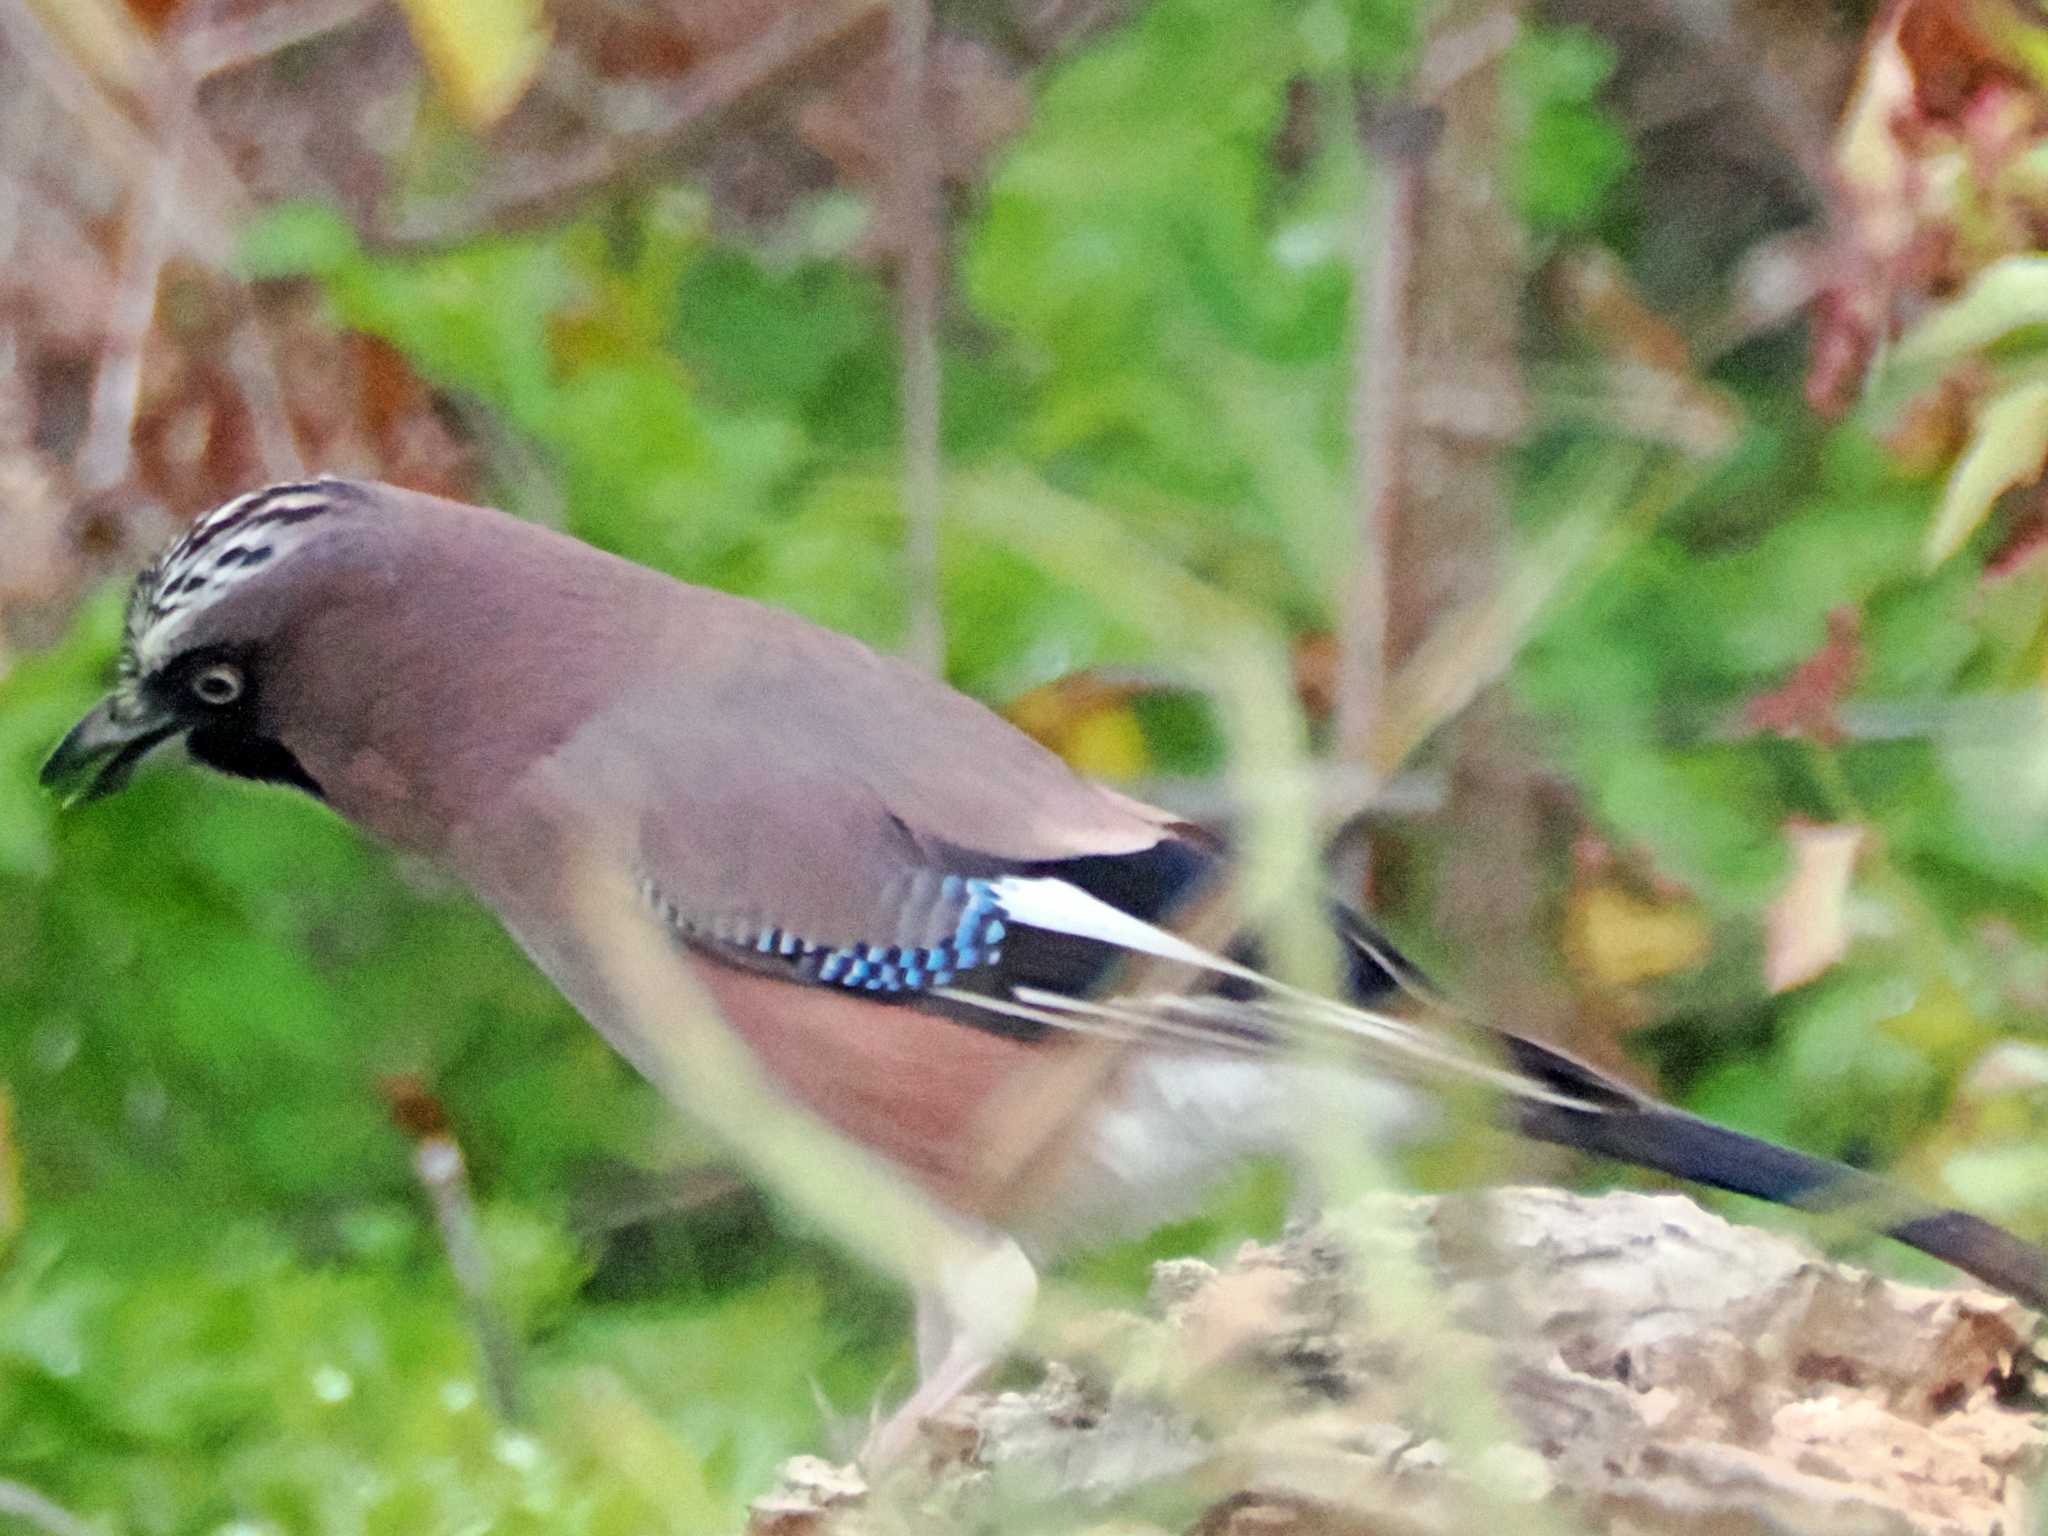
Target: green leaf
(475, 318)
(2000, 778)
(1859, 1085)
(2006, 449)
(2005, 297)
(1568, 151)
(768, 339)
(1556, 64)
(1566, 164)
(297, 239)
(2003, 1180)
(1711, 816)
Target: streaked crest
(233, 541)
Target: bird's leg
(962, 1366)
(966, 1322)
(935, 1332)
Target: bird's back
(518, 644)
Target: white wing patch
(1055, 905)
(1278, 1015)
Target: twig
(21, 155)
(106, 455)
(438, 1163)
(107, 452)
(220, 46)
(40, 1510)
(250, 357)
(528, 190)
(691, 1189)
(1458, 52)
(915, 190)
(69, 84)
(1382, 256)
(208, 205)
(181, 192)
(254, 367)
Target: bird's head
(200, 653)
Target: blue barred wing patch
(975, 943)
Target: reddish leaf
(1929, 163)
(1951, 56)
(1804, 704)
(154, 14)
(2023, 544)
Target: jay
(899, 905)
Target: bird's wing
(810, 809)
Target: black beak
(101, 751)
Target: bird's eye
(217, 685)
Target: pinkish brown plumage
(912, 915)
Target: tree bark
(1628, 1363)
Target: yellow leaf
(1618, 939)
(1088, 721)
(2006, 449)
(483, 54)
(1108, 744)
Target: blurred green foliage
(227, 1309)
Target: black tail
(1577, 1106)
(1646, 1134)
(1609, 1119)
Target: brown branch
(254, 366)
(70, 85)
(106, 456)
(1382, 261)
(219, 46)
(1456, 53)
(914, 189)
(182, 192)
(20, 157)
(107, 452)
(250, 356)
(529, 190)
